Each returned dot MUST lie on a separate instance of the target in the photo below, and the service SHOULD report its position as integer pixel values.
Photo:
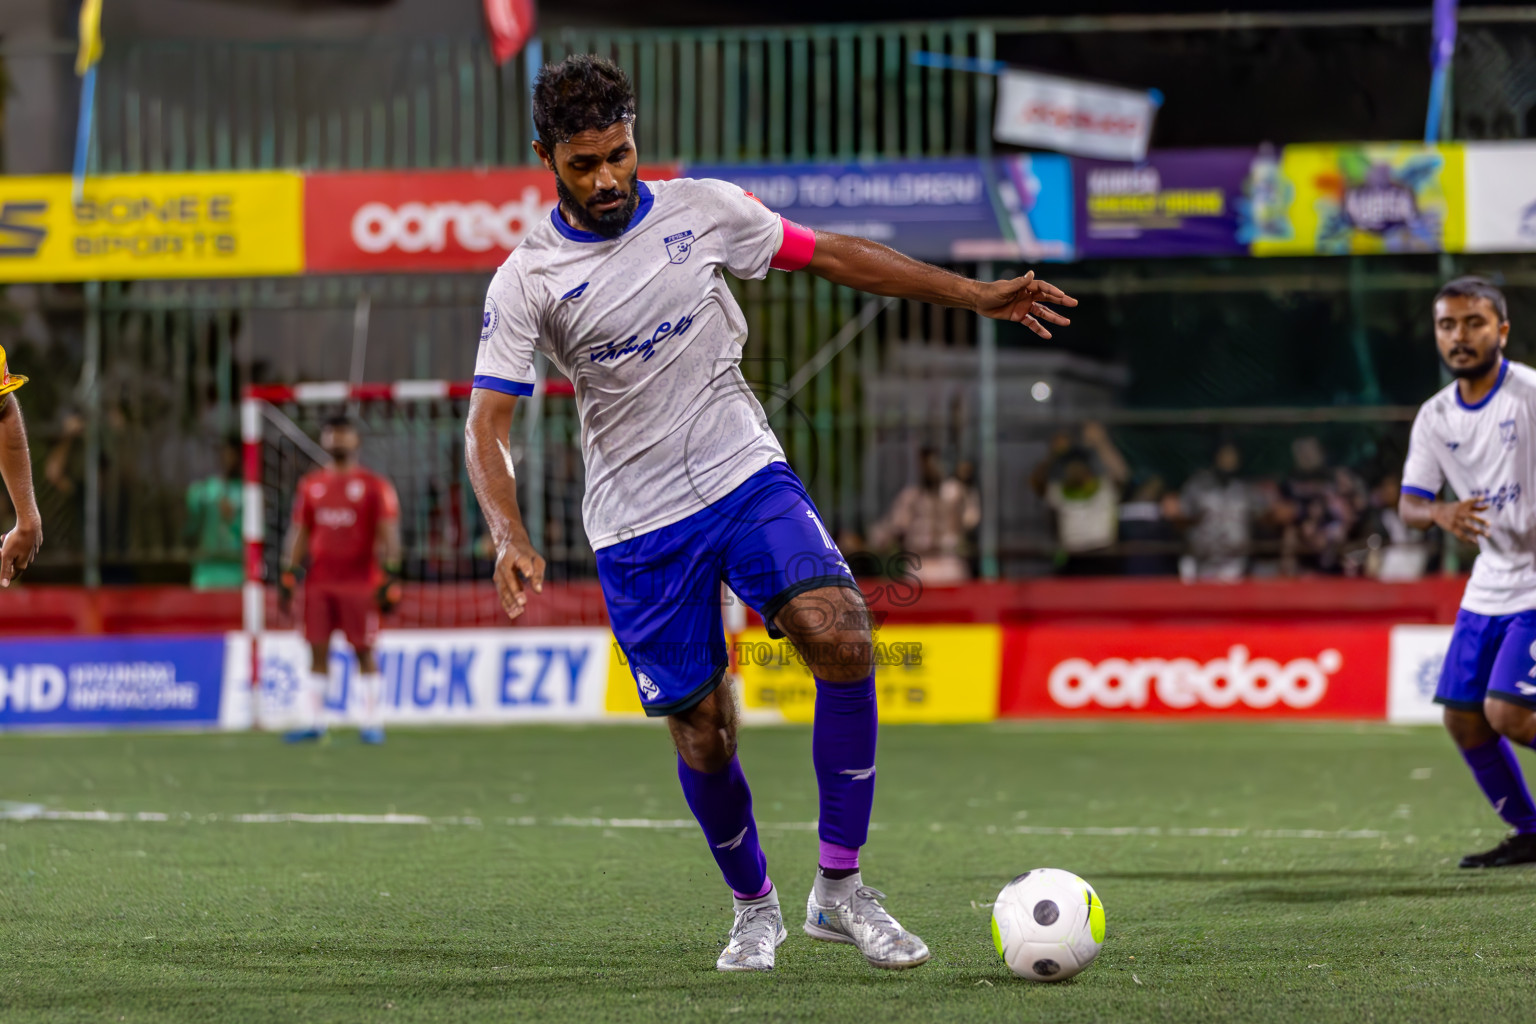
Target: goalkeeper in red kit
(346, 520)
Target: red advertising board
(1241, 670)
(425, 220)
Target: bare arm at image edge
(489, 461)
(21, 544)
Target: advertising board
(960, 208)
(431, 676)
(1178, 202)
(372, 221)
(1501, 196)
(1250, 671)
(923, 674)
(235, 224)
(111, 682)
(1364, 198)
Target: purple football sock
(722, 803)
(1497, 772)
(843, 751)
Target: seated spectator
(1149, 539)
(961, 502)
(1082, 483)
(1322, 508)
(930, 520)
(1219, 510)
(1387, 548)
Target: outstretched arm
(879, 270)
(21, 544)
(490, 472)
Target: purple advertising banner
(1177, 202)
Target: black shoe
(1517, 849)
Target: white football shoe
(756, 935)
(860, 920)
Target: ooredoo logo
(476, 226)
(1185, 683)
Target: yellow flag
(90, 36)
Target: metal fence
(708, 96)
(159, 365)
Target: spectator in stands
(1219, 510)
(1386, 547)
(1321, 507)
(213, 524)
(1082, 483)
(962, 501)
(1149, 538)
(931, 521)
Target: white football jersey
(1487, 451)
(650, 335)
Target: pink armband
(798, 247)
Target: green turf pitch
(1263, 873)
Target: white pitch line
(1198, 833)
(37, 812)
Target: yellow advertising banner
(244, 224)
(923, 674)
(1358, 198)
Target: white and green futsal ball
(1047, 925)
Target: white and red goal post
(413, 434)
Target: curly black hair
(581, 92)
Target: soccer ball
(1047, 925)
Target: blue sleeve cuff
(506, 387)
(1417, 492)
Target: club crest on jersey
(679, 246)
(489, 320)
(1507, 433)
(355, 491)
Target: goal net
(413, 434)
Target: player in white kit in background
(1479, 436)
(623, 289)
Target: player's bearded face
(339, 444)
(610, 223)
(597, 178)
(1470, 336)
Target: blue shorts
(764, 539)
(1490, 656)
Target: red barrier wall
(1160, 600)
(47, 610)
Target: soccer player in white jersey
(1479, 435)
(623, 288)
